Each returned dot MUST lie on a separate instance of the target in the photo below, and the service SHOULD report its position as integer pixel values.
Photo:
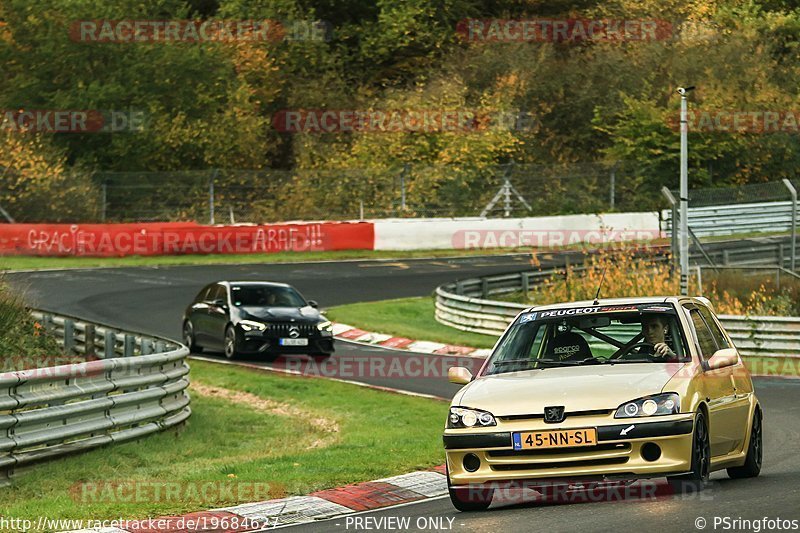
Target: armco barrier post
(129, 345)
(110, 344)
(88, 335)
(69, 336)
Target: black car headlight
(462, 417)
(251, 325)
(668, 403)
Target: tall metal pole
(684, 198)
(793, 192)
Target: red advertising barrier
(117, 240)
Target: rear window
(265, 296)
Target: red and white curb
(351, 333)
(319, 505)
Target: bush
(23, 341)
(628, 274)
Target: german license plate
(564, 438)
(294, 342)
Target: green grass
(29, 263)
(380, 434)
(406, 317)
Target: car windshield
(265, 296)
(590, 336)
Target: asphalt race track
(152, 299)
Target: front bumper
(618, 453)
(255, 342)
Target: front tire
(231, 344)
(697, 479)
(468, 499)
(188, 337)
(755, 451)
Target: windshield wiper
(587, 361)
(513, 361)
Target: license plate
(294, 342)
(564, 438)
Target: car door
(218, 309)
(738, 416)
(716, 385)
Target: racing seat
(568, 346)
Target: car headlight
(324, 326)
(250, 325)
(461, 417)
(661, 404)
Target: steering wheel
(651, 356)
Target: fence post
(613, 186)
(484, 288)
(526, 284)
(211, 197)
(103, 200)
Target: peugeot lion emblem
(554, 414)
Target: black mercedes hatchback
(256, 317)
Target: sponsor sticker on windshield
(527, 317)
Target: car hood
(280, 314)
(581, 388)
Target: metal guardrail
(136, 387)
(719, 220)
(465, 305)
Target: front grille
(568, 414)
(551, 452)
(281, 329)
(563, 464)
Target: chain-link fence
(237, 196)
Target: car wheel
(231, 343)
(701, 459)
(188, 337)
(468, 498)
(755, 451)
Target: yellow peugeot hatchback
(620, 390)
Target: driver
(654, 329)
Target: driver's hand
(661, 349)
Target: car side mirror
(313, 303)
(723, 358)
(459, 375)
(220, 303)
